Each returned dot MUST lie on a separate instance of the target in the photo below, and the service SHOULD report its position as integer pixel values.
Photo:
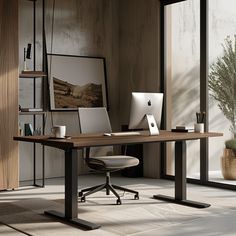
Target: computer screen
(146, 111)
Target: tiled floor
(21, 211)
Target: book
(28, 130)
(31, 109)
(184, 127)
(182, 130)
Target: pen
(203, 117)
(200, 116)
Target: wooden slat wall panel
(139, 65)
(8, 93)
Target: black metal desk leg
(71, 184)
(180, 170)
(71, 188)
(180, 179)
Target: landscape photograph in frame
(76, 81)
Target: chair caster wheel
(80, 194)
(136, 197)
(83, 199)
(118, 202)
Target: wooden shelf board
(32, 74)
(32, 112)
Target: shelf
(32, 74)
(32, 112)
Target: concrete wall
(81, 27)
(125, 32)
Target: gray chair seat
(112, 162)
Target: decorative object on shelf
(222, 85)
(37, 131)
(20, 133)
(28, 129)
(76, 81)
(27, 55)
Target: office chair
(96, 120)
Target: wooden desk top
(92, 140)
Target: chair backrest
(95, 120)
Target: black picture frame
(76, 81)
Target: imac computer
(145, 111)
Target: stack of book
(183, 128)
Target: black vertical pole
(43, 150)
(43, 53)
(204, 87)
(34, 84)
(162, 77)
(43, 86)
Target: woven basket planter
(228, 164)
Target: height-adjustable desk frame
(70, 147)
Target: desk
(70, 147)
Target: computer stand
(152, 125)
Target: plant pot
(228, 164)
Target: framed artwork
(76, 81)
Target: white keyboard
(122, 133)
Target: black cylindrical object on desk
(135, 150)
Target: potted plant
(222, 86)
(228, 160)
